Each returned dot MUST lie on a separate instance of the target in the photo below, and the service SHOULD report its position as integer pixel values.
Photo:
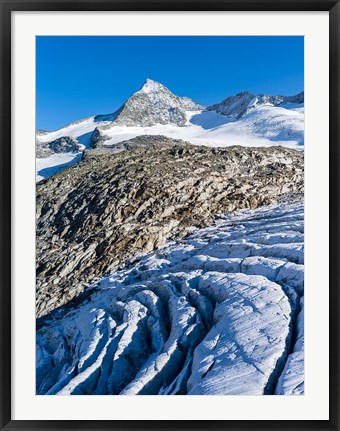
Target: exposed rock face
(298, 98)
(154, 104)
(109, 207)
(238, 105)
(40, 132)
(64, 144)
(98, 137)
(144, 141)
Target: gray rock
(154, 104)
(237, 106)
(96, 215)
(65, 144)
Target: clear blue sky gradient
(80, 76)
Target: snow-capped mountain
(239, 105)
(244, 119)
(154, 104)
(261, 127)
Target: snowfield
(45, 167)
(219, 312)
(263, 126)
(80, 130)
(244, 119)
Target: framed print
(169, 215)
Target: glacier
(217, 312)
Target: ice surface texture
(218, 312)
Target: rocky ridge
(111, 206)
(239, 105)
(155, 110)
(154, 104)
(65, 144)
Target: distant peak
(151, 86)
(243, 93)
(150, 81)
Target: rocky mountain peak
(239, 105)
(243, 93)
(154, 104)
(151, 86)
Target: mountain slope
(243, 119)
(111, 206)
(154, 104)
(263, 126)
(240, 104)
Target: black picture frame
(7, 7)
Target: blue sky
(80, 76)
